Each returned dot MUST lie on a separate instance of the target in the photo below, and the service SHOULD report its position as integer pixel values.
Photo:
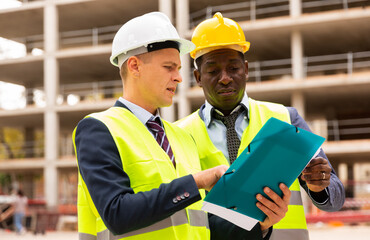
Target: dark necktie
(233, 141)
(159, 134)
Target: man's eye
(211, 71)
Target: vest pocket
(144, 175)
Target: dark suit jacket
(109, 186)
(333, 198)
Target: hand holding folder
(277, 154)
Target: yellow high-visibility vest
(293, 226)
(147, 166)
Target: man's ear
(246, 70)
(133, 64)
(197, 77)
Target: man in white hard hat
(139, 176)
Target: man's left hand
(275, 209)
(317, 174)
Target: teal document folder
(277, 154)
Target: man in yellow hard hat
(140, 176)
(229, 119)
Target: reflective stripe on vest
(86, 236)
(196, 218)
(135, 142)
(295, 198)
(296, 234)
(259, 112)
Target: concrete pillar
(51, 121)
(165, 6)
(182, 25)
(355, 179)
(298, 102)
(343, 172)
(295, 8)
(319, 125)
(184, 107)
(168, 113)
(297, 55)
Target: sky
(12, 96)
(9, 4)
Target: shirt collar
(142, 114)
(208, 109)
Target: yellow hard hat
(217, 32)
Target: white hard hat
(134, 37)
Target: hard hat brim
(244, 45)
(185, 46)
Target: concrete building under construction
(312, 55)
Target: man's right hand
(207, 179)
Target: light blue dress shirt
(143, 115)
(217, 130)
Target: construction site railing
(35, 149)
(23, 149)
(71, 94)
(92, 91)
(259, 71)
(345, 129)
(253, 10)
(347, 63)
(241, 11)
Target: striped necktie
(154, 124)
(233, 141)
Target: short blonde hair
(144, 57)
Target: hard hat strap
(150, 48)
(161, 45)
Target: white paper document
(238, 219)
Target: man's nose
(225, 78)
(177, 77)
